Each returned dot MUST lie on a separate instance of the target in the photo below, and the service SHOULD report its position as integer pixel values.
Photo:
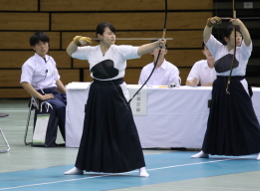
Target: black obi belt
(105, 70)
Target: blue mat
(167, 167)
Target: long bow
(234, 55)
(159, 53)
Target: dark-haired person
(165, 72)
(203, 71)
(233, 128)
(40, 78)
(110, 142)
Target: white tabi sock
(258, 156)
(142, 172)
(201, 154)
(73, 171)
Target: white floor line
(121, 173)
(198, 163)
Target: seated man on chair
(202, 72)
(165, 72)
(40, 78)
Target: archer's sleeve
(246, 50)
(82, 53)
(213, 45)
(129, 52)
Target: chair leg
(27, 125)
(7, 144)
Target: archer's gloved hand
(79, 40)
(213, 21)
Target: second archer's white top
(218, 50)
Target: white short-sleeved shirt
(40, 73)
(202, 72)
(117, 54)
(164, 75)
(218, 50)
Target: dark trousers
(59, 106)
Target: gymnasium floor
(26, 168)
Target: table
(175, 117)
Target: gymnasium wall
(64, 19)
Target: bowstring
(159, 53)
(220, 39)
(235, 48)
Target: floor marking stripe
(9, 188)
(196, 163)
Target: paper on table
(139, 103)
(78, 85)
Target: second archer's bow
(234, 54)
(159, 53)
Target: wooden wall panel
(132, 75)
(14, 93)
(181, 39)
(24, 21)
(184, 72)
(18, 5)
(190, 5)
(62, 20)
(140, 21)
(15, 59)
(10, 78)
(184, 58)
(119, 5)
(69, 75)
(63, 60)
(80, 63)
(21, 40)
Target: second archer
(233, 128)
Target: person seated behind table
(40, 78)
(203, 71)
(165, 72)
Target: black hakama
(110, 141)
(233, 128)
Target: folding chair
(3, 136)
(34, 103)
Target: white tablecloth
(174, 117)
